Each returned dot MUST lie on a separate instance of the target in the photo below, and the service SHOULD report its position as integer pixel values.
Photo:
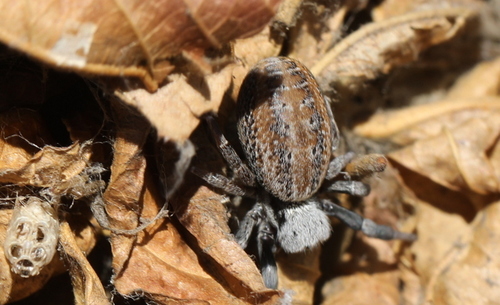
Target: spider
(288, 135)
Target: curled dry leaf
(319, 26)
(377, 48)
(87, 286)
(24, 161)
(127, 38)
(298, 273)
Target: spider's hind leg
(367, 226)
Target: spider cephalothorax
(288, 134)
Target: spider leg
(262, 217)
(356, 188)
(222, 182)
(237, 166)
(367, 226)
(337, 164)
(266, 246)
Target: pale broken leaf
(379, 47)
(457, 158)
(86, 284)
(49, 166)
(126, 38)
(175, 108)
(25, 159)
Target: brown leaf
(482, 81)
(86, 284)
(377, 48)
(205, 218)
(130, 38)
(474, 95)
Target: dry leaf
(163, 263)
(298, 273)
(474, 264)
(205, 218)
(131, 38)
(474, 95)
(419, 122)
(392, 8)
(182, 100)
(362, 288)
(482, 81)
(457, 158)
(377, 48)
(15, 287)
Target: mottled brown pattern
(285, 128)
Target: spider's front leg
(367, 226)
(240, 170)
(261, 217)
(266, 246)
(351, 187)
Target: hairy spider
(288, 135)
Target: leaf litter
(171, 237)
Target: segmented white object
(32, 236)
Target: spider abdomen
(285, 128)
